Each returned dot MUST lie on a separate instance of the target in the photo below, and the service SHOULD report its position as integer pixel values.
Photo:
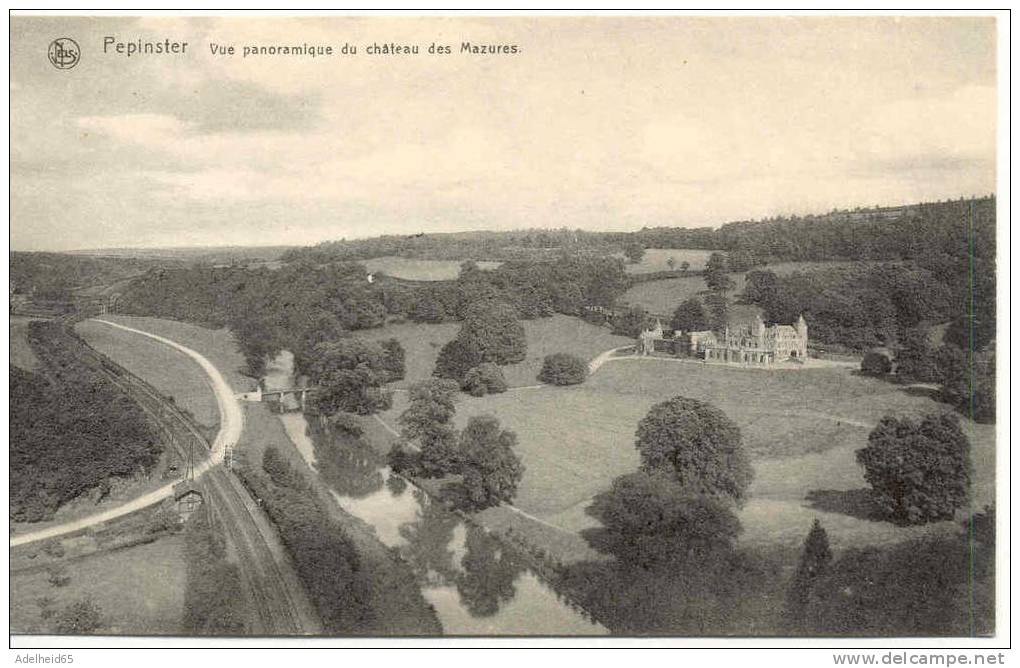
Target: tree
(491, 469)
(651, 521)
(486, 378)
(915, 359)
(495, 329)
(918, 471)
(698, 445)
(875, 363)
(634, 252)
(760, 287)
(427, 308)
(349, 373)
(427, 420)
(81, 618)
(456, 358)
(814, 560)
(741, 260)
(968, 382)
(715, 273)
(718, 309)
(689, 316)
(394, 361)
(631, 321)
(563, 369)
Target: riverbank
(396, 600)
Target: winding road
(231, 426)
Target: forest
(72, 430)
(301, 304)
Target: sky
(600, 123)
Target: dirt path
(231, 425)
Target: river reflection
(476, 585)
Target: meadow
(139, 590)
(411, 269)
(657, 259)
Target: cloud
(599, 123)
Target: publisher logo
(64, 53)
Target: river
(477, 585)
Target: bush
(346, 424)
(876, 364)
(918, 471)
(563, 369)
(81, 618)
(698, 445)
(486, 378)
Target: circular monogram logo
(64, 53)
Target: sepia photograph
(599, 327)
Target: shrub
(346, 424)
(486, 378)
(57, 576)
(876, 364)
(81, 618)
(698, 445)
(918, 471)
(563, 369)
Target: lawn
(801, 428)
(420, 270)
(22, 354)
(558, 333)
(140, 590)
(656, 259)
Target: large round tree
(919, 471)
(697, 444)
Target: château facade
(754, 344)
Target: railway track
(277, 597)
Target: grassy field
(665, 295)
(166, 369)
(22, 354)
(558, 333)
(140, 590)
(420, 270)
(656, 259)
(801, 428)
